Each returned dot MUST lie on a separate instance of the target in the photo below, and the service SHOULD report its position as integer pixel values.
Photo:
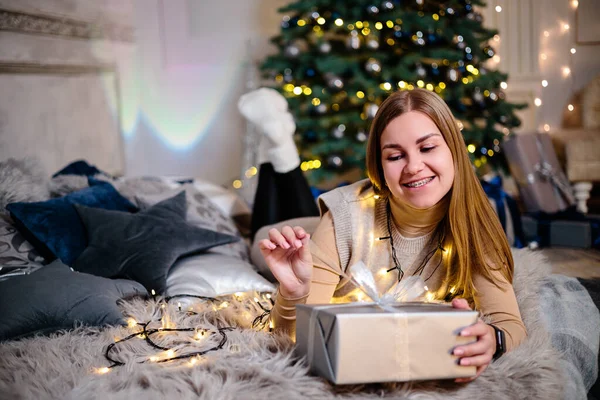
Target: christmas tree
(338, 60)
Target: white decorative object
(582, 194)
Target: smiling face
(417, 163)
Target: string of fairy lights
(567, 71)
(195, 344)
(154, 331)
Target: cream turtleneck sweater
(412, 230)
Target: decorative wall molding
(42, 24)
(54, 69)
(518, 26)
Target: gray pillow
(203, 213)
(17, 255)
(142, 246)
(55, 297)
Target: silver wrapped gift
(365, 343)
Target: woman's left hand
(480, 353)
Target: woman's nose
(414, 165)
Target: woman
(421, 212)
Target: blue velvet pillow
(79, 167)
(54, 228)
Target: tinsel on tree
(338, 60)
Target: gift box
(567, 228)
(543, 186)
(364, 343)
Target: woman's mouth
(417, 184)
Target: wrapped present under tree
(543, 186)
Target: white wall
(192, 68)
(522, 25)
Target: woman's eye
(395, 157)
(427, 149)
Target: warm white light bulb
(546, 127)
(566, 27)
(570, 107)
(543, 56)
(574, 3)
(537, 101)
(498, 9)
(546, 33)
(566, 71)
(102, 370)
(503, 85)
(573, 50)
(544, 83)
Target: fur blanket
(258, 365)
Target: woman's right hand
(288, 256)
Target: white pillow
(227, 200)
(214, 275)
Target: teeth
(419, 183)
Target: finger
(474, 349)
(478, 329)
(266, 245)
(290, 236)
(461, 304)
(300, 232)
(477, 361)
(277, 238)
(304, 251)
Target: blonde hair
(473, 232)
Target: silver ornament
(373, 66)
(287, 75)
(371, 110)
(453, 75)
(373, 10)
(361, 136)
(353, 41)
(325, 47)
(334, 81)
(373, 44)
(387, 5)
(292, 51)
(338, 131)
(335, 161)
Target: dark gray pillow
(55, 297)
(203, 213)
(142, 246)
